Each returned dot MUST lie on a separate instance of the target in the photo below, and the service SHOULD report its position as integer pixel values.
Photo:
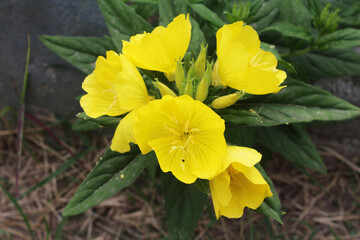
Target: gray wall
(53, 84)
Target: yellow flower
(240, 184)
(186, 135)
(115, 87)
(242, 64)
(162, 48)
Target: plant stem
(20, 125)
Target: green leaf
(271, 207)
(84, 125)
(245, 117)
(265, 14)
(103, 121)
(207, 14)
(184, 204)
(295, 12)
(81, 52)
(202, 185)
(197, 36)
(113, 172)
(294, 144)
(289, 30)
(328, 63)
(345, 38)
(240, 135)
(169, 9)
(122, 21)
(298, 102)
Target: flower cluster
(186, 134)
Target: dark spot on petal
(183, 160)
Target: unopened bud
(179, 76)
(216, 81)
(328, 21)
(226, 101)
(203, 87)
(200, 62)
(164, 90)
(189, 89)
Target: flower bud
(328, 21)
(203, 87)
(189, 89)
(200, 62)
(179, 76)
(164, 90)
(226, 101)
(216, 81)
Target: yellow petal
(264, 60)
(100, 100)
(243, 155)
(236, 32)
(124, 133)
(233, 63)
(220, 188)
(258, 81)
(160, 49)
(251, 173)
(246, 193)
(114, 88)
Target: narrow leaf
(265, 14)
(248, 117)
(103, 121)
(295, 12)
(328, 63)
(169, 9)
(345, 38)
(271, 207)
(207, 14)
(19, 208)
(81, 52)
(294, 144)
(289, 30)
(122, 21)
(197, 36)
(298, 102)
(184, 204)
(113, 172)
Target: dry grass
(318, 207)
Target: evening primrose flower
(241, 63)
(115, 87)
(162, 48)
(186, 135)
(240, 185)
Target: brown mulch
(317, 206)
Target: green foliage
(113, 172)
(184, 204)
(327, 63)
(271, 206)
(81, 52)
(122, 21)
(298, 102)
(294, 144)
